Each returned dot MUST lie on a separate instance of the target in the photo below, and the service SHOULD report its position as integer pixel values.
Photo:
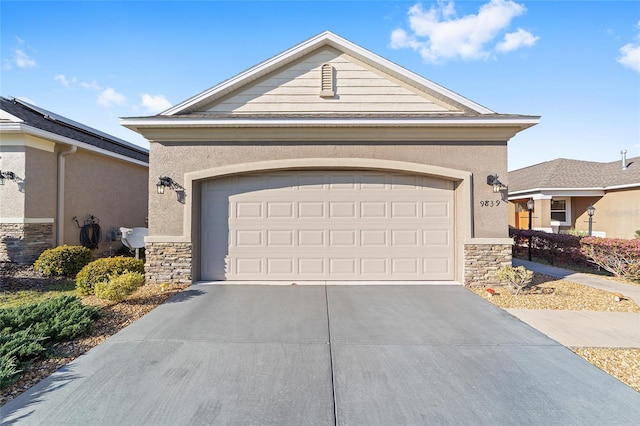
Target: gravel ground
(551, 293)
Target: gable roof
(326, 38)
(439, 107)
(563, 173)
(21, 116)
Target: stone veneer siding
(481, 261)
(168, 263)
(22, 243)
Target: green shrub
(30, 331)
(57, 319)
(104, 269)
(22, 344)
(63, 260)
(119, 287)
(517, 278)
(8, 370)
(638, 234)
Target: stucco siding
(12, 194)
(114, 191)
(618, 212)
(40, 183)
(358, 88)
(166, 213)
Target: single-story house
(563, 189)
(327, 162)
(64, 183)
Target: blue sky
(575, 63)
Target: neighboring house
(327, 162)
(56, 170)
(562, 190)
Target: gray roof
(45, 120)
(573, 174)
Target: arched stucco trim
(463, 190)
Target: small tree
(517, 278)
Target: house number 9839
(489, 203)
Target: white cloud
(22, 60)
(630, 54)
(514, 41)
(20, 57)
(66, 82)
(110, 97)
(155, 103)
(439, 34)
(92, 85)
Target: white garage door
(327, 226)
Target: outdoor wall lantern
(492, 180)
(6, 175)
(590, 211)
(167, 182)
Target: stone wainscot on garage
(327, 163)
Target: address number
(489, 203)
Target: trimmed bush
(63, 260)
(104, 269)
(561, 249)
(618, 256)
(517, 278)
(119, 287)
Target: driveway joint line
(333, 381)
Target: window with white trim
(561, 211)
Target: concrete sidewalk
(584, 328)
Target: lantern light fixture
(492, 180)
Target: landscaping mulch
(551, 293)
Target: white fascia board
(34, 131)
(557, 192)
(306, 47)
(627, 186)
(160, 122)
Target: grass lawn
(25, 297)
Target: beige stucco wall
(617, 213)
(12, 195)
(176, 159)
(40, 183)
(114, 191)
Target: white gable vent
(326, 84)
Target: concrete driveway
(316, 355)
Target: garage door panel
(311, 267)
(311, 210)
(327, 225)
